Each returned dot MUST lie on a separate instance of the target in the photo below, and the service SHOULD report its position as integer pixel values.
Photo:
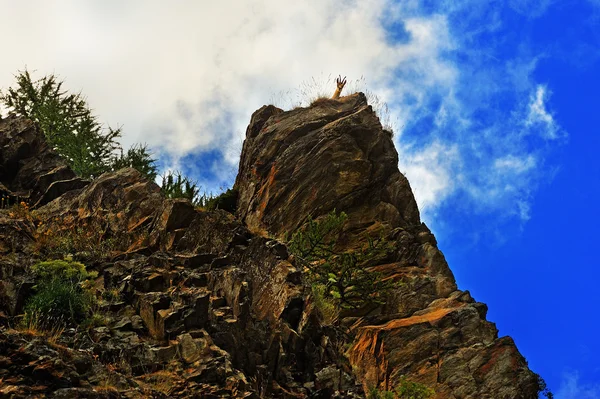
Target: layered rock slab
(312, 160)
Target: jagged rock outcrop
(312, 160)
(29, 170)
(197, 305)
(335, 155)
(208, 304)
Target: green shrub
(70, 127)
(543, 388)
(344, 274)
(139, 158)
(60, 297)
(406, 389)
(61, 270)
(226, 201)
(112, 295)
(413, 390)
(66, 120)
(328, 308)
(58, 302)
(375, 393)
(95, 320)
(175, 185)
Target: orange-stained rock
(312, 160)
(335, 155)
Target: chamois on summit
(340, 85)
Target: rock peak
(309, 161)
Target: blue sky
(492, 104)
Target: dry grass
(323, 101)
(108, 383)
(54, 334)
(319, 91)
(59, 238)
(20, 211)
(32, 326)
(106, 387)
(162, 381)
(308, 92)
(379, 106)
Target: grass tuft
(317, 92)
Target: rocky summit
(196, 303)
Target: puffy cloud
(435, 169)
(185, 78)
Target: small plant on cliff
(60, 297)
(343, 274)
(69, 126)
(328, 307)
(21, 211)
(406, 389)
(226, 201)
(543, 388)
(139, 158)
(67, 270)
(176, 185)
(375, 393)
(91, 241)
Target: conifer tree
(71, 128)
(344, 274)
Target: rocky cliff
(208, 304)
(335, 155)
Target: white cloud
(433, 173)
(149, 65)
(512, 164)
(572, 388)
(539, 115)
(185, 78)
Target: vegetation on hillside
(342, 277)
(406, 389)
(60, 295)
(176, 185)
(71, 128)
